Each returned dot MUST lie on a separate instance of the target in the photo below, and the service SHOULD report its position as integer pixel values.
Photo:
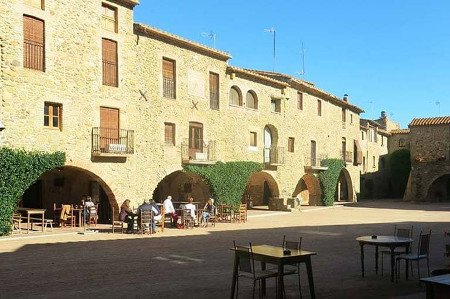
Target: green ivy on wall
(226, 180)
(400, 166)
(329, 179)
(18, 171)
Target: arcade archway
(439, 189)
(68, 185)
(344, 187)
(308, 190)
(261, 186)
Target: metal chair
(246, 268)
(401, 232)
(423, 253)
(293, 268)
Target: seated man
(170, 210)
(191, 206)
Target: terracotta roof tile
(256, 75)
(400, 131)
(430, 121)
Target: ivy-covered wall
(329, 179)
(227, 180)
(18, 171)
(400, 166)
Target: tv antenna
(211, 35)
(272, 30)
(438, 104)
(302, 72)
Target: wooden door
(109, 127)
(195, 139)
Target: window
(52, 115)
(35, 3)
(362, 135)
(33, 43)
(214, 91)
(372, 134)
(401, 142)
(291, 144)
(351, 118)
(373, 162)
(235, 96)
(275, 105)
(251, 100)
(253, 139)
(169, 133)
(319, 107)
(109, 18)
(169, 78)
(299, 101)
(344, 115)
(382, 140)
(109, 58)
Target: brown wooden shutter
(358, 152)
(300, 101)
(169, 133)
(109, 57)
(109, 127)
(168, 69)
(33, 43)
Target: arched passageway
(68, 185)
(344, 187)
(261, 186)
(439, 189)
(181, 185)
(308, 190)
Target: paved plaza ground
(197, 263)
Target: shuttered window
(52, 115)
(109, 58)
(251, 100)
(35, 3)
(319, 107)
(168, 78)
(33, 43)
(109, 18)
(214, 91)
(291, 144)
(235, 96)
(169, 133)
(299, 101)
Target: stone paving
(197, 263)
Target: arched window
(235, 96)
(251, 100)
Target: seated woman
(208, 210)
(127, 215)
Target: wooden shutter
(168, 69)
(33, 43)
(169, 133)
(300, 101)
(358, 152)
(109, 57)
(214, 91)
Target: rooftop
(430, 121)
(400, 131)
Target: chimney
(345, 98)
(383, 114)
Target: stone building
(130, 104)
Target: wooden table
(32, 211)
(437, 286)
(390, 242)
(274, 255)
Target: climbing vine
(329, 179)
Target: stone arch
(308, 190)
(344, 187)
(261, 187)
(67, 185)
(181, 185)
(439, 188)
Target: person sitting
(156, 212)
(208, 210)
(127, 215)
(191, 206)
(170, 210)
(90, 210)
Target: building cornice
(256, 76)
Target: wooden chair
(246, 268)
(117, 222)
(92, 215)
(423, 253)
(56, 214)
(67, 212)
(186, 218)
(146, 222)
(241, 214)
(225, 213)
(17, 223)
(401, 232)
(293, 268)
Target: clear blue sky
(391, 55)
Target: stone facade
(73, 79)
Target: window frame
(169, 94)
(31, 4)
(299, 101)
(255, 100)
(319, 107)
(30, 46)
(50, 117)
(169, 141)
(239, 94)
(106, 64)
(116, 17)
(214, 97)
(253, 139)
(291, 144)
(275, 105)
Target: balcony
(169, 88)
(313, 163)
(274, 155)
(112, 142)
(198, 152)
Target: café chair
(423, 253)
(293, 268)
(67, 215)
(17, 222)
(92, 215)
(145, 222)
(186, 218)
(117, 222)
(246, 268)
(402, 232)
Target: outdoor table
(275, 255)
(390, 242)
(32, 211)
(437, 286)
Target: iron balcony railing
(314, 161)
(112, 141)
(274, 155)
(169, 88)
(198, 150)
